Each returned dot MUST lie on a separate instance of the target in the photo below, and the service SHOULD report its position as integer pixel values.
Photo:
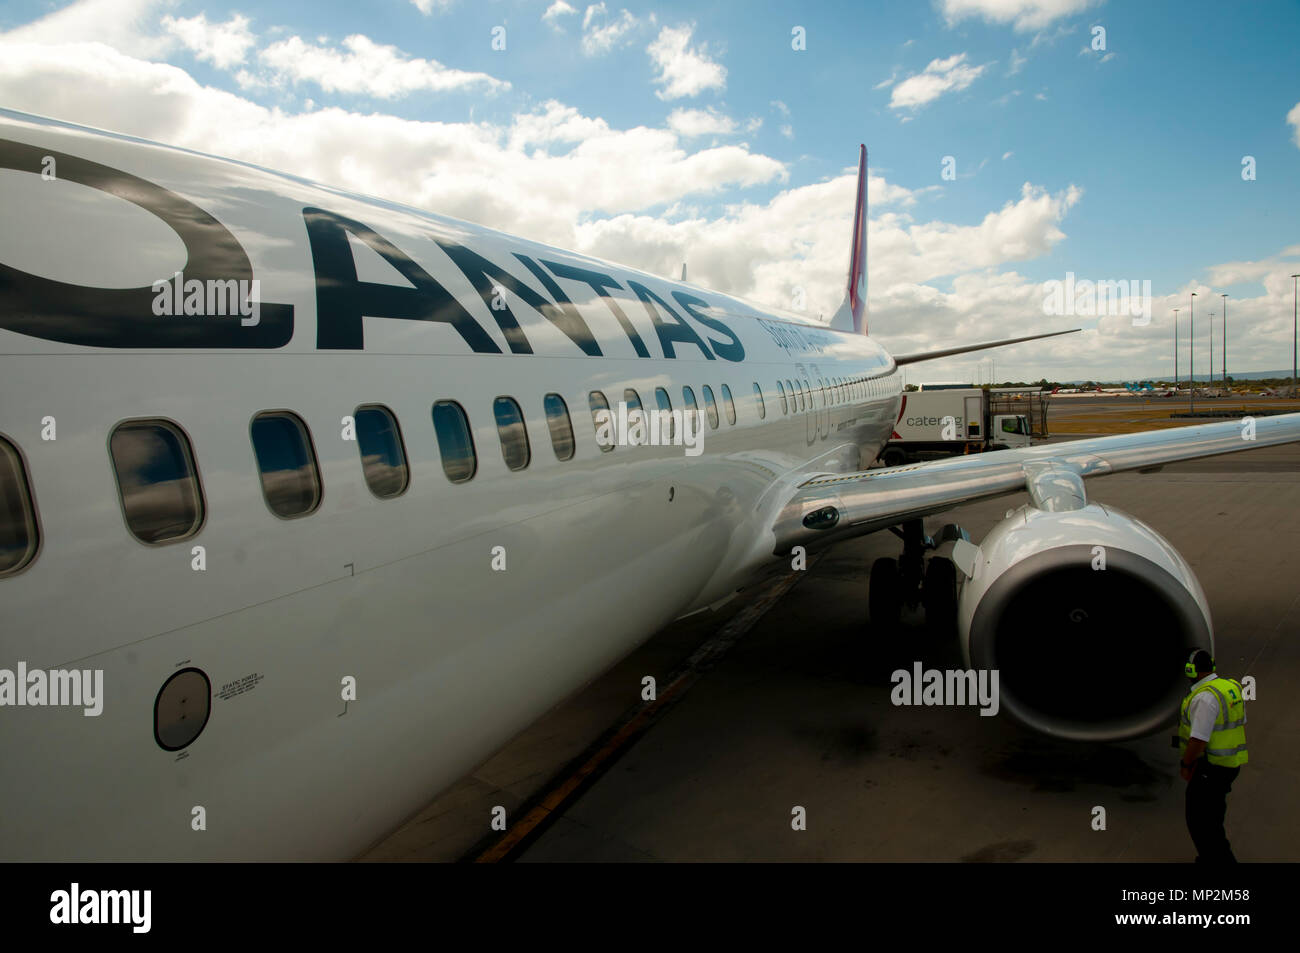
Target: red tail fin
(852, 314)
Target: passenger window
(758, 400)
(156, 479)
(633, 401)
(455, 442)
(691, 408)
(557, 418)
(511, 431)
(808, 394)
(711, 406)
(666, 409)
(383, 459)
(785, 406)
(19, 536)
(729, 404)
(287, 463)
(601, 417)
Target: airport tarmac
(798, 714)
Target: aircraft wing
(831, 507)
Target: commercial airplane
(305, 510)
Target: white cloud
(364, 66)
(224, 45)
(429, 6)
(939, 77)
(1007, 155)
(502, 176)
(886, 83)
(781, 107)
(1293, 117)
(1018, 62)
(683, 71)
(600, 34)
(700, 122)
(1273, 271)
(788, 131)
(798, 239)
(125, 25)
(1026, 15)
(556, 10)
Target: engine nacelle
(1089, 616)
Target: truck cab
(1011, 430)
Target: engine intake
(1088, 615)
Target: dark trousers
(1207, 803)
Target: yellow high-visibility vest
(1227, 744)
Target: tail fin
(852, 313)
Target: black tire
(939, 595)
(893, 457)
(883, 599)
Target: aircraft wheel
(893, 457)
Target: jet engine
(1087, 614)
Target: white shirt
(1203, 710)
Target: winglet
(852, 313)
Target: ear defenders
(1189, 669)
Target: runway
(797, 714)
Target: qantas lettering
(125, 317)
(217, 263)
(794, 338)
(342, 299)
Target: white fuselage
(450, 656)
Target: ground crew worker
(1212, 737)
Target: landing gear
(939, 595)
(883, 598)
(913, 581)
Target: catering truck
(947, 421)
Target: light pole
(1294, 306)
(1210, 379)
(1191, 357)
(1225, 340)
(1176, 310)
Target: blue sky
(651, 133)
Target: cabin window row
(161, 493)
(799, 394)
